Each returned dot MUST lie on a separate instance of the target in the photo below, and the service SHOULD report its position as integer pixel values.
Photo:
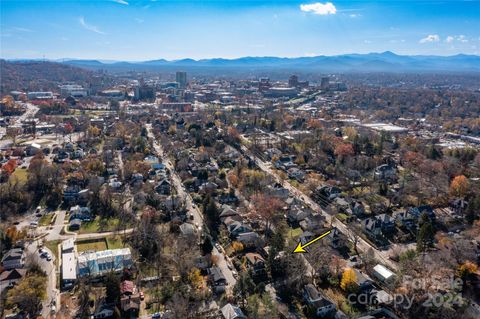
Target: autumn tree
(348, 282)
(233, 136)
(195, 278)
(44, 179)
(266, 207)
(343, 151)
(466, 269)
(459, 186)
(28, 294)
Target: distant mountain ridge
(370, 62)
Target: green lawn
(109, 242)
(294, 233)
(114, 242)
(53, 246)
(91, 244)
(46, 219)
(21, 174)
(99, 225)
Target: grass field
(46, 219)
(114, 242)
(91, 244)
(110, 242)
(99, 225)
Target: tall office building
(181, 78)
(325, 84)
(264, 84)
(293, 81)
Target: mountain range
(371, 62)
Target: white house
(101, 262)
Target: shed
(383, 273)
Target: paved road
(191, 207)
(31, 251)
(30, 112)
(362, 245)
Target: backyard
(99, 225)
(104, 243)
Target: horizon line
(229, 58)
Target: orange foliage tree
(459, 186)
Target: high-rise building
(264, 84)
(325, 84)
(181, 78)
(293, 81)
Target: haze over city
(144, 30)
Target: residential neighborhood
(260, 187)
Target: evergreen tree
(425, 236)
(207, 246)
(112, 285)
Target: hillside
(36, 75)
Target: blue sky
(148, 29)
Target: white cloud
(430, 38)
(319, 8)
(459, 38)
(89, 27)
(121, 2)
(462, 38)
(355, 15)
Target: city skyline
(147, 30)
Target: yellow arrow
(300, 247)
